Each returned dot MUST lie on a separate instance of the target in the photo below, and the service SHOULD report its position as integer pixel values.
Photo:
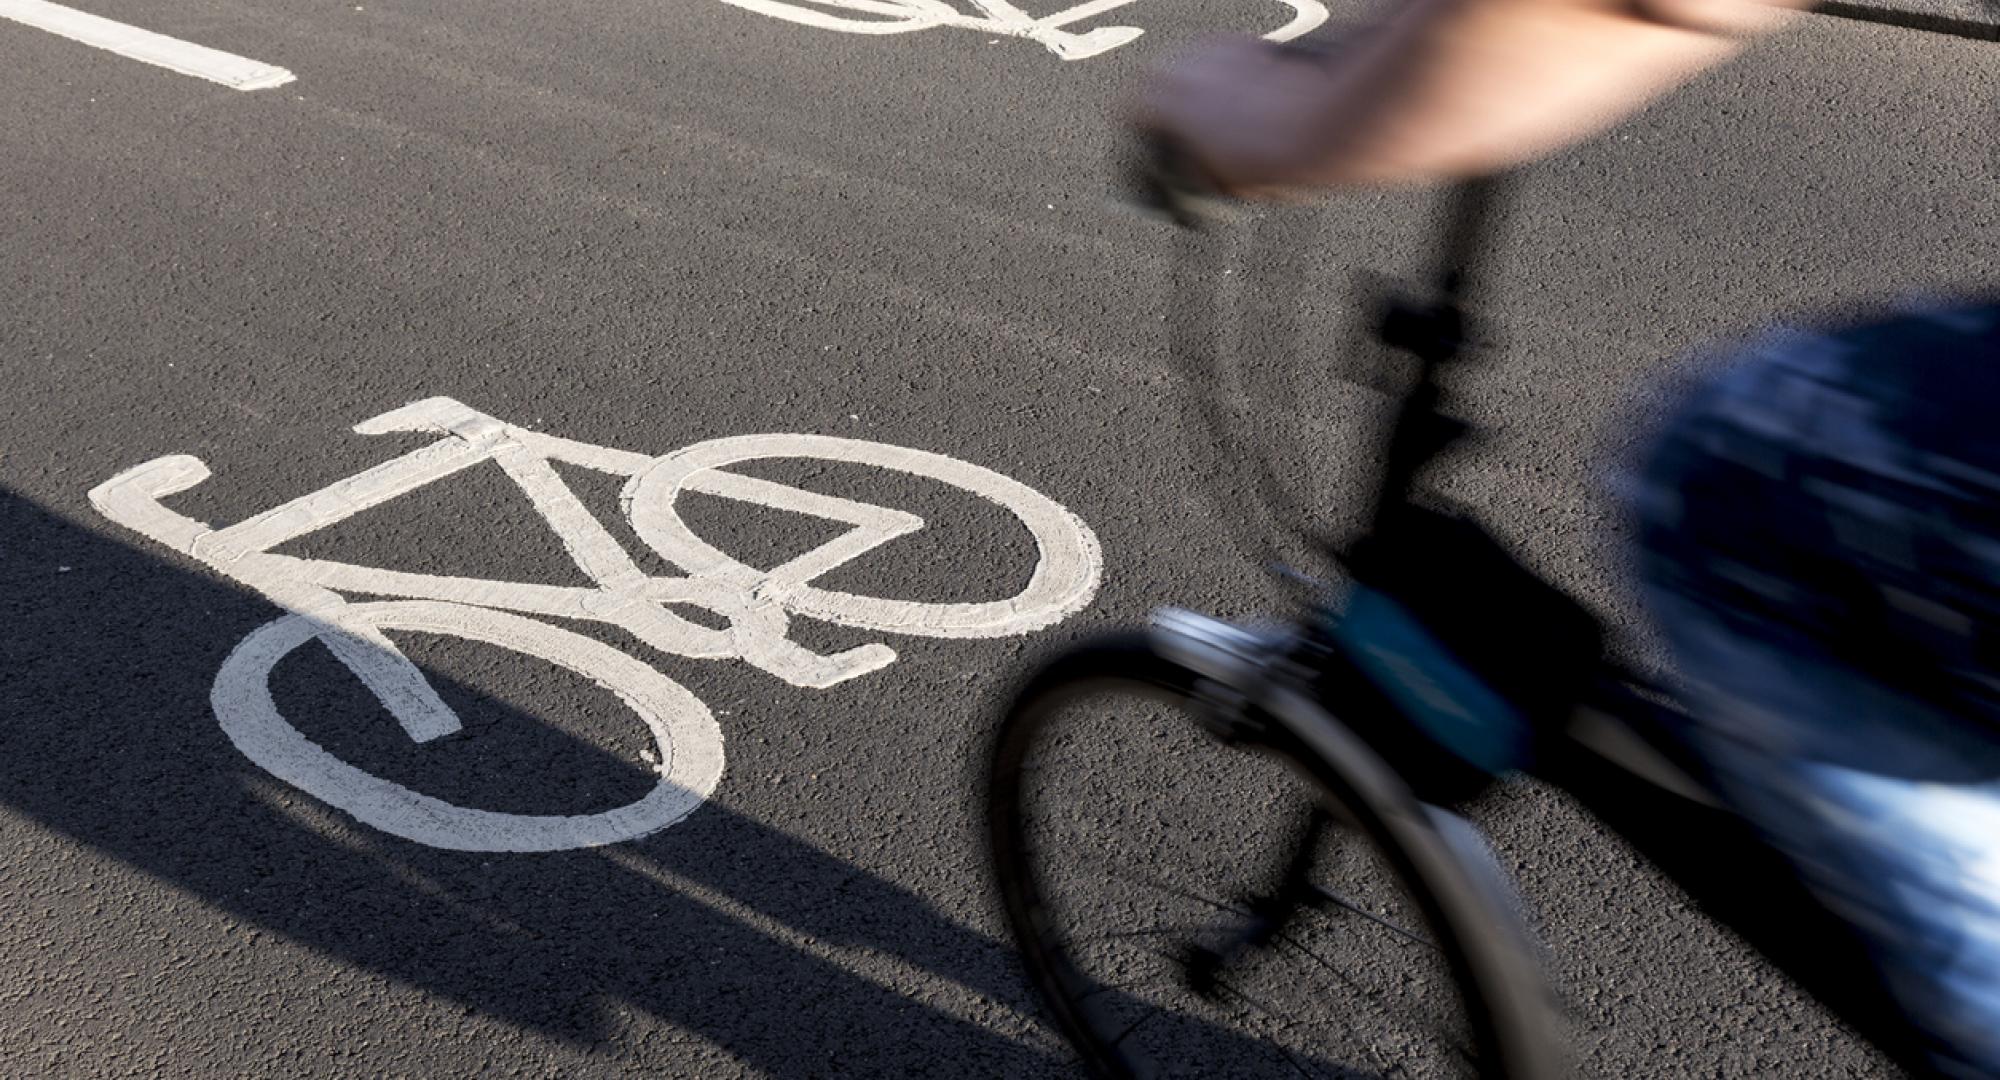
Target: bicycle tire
(1504, 998)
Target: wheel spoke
(1177, 903)
(1388, 1009)
(1155, 884)
(1334, 898)
(1103, 987)
(1156, 931)
(1151, 1012)
(1270, 1011)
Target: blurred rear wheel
(1187, 908)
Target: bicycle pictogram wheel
(688, 740)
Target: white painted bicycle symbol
(995, 17)
(754, 605)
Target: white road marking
(995, 17)
(173, 54)
(689, 742)
(1066, 570)
(756, 606)
(1084, 11)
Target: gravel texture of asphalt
(645, 226)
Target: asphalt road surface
(642, 227)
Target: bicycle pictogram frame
(755, 606)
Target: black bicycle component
(1370, 874)
(1265, 915)
(1435, 331)
(1525, 653)
(1212, 399)
(1161, 179)
(1438, 626)
(1175, 925)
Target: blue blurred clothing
(1819, 528)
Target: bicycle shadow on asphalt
(110, 654)
(788, 959)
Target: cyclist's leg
(1912, 864)
(1818, 543)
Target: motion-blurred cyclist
(1819, 523)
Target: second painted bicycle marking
(1000, 17)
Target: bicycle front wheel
(1187, 908)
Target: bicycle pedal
(1214, 950)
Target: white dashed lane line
(145, 46)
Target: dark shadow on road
(107, 656)
(791, 960)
